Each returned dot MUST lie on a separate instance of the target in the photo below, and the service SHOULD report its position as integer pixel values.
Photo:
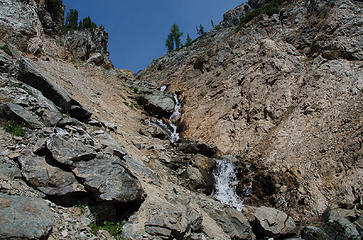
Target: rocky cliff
(86, 150)
(284, 94)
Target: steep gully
(224, 174)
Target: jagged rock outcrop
(29, 74)
(89, 45)
(284, 95)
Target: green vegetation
(81, 207)
(174, 38)
(71, 22)
(15, 129)
(86, 23)
(200, 30)
(135, 89)
(188, 41)
(114, 228)
(6, 49)
(270, 8)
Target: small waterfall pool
(226, 183)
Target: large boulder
(66, 150)
(233, 222)
(163, 220)
(50, 180)
(270, 222)
(158, 103)
(24, 217)
(30, 75)
(109, 180)
(17, 113)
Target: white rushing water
(170, 127)
(226, 182)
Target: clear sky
(138, 28)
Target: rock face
(88, 45)
(19, 22)
(24, 217)
(29, 74)
(285, 98)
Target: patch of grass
(6, 49)
(127, 104)
(81, 206)
(270, 8)
(15, 129)
(114, 228)
(135, 89)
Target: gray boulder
(340, 224)
(233, 222)
(164, 220)
(199, 179)
(66, 150)
(32, 76)
(109, 180)
(24, 217)
(157, 103)
(48, 179)
(17, 113)
(270, 222)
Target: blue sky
(138, 29)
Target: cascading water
(225, 184)
(170, 127)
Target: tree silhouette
(174, 38)
(188, 41)
(71, 19)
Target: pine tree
(87, 23)
(188, 41)
(71, 19)
(170, 43)
(176, 35)
(200, 30)
(174, 38)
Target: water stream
(225, 184)
(170, 127)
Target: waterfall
(225, 184)
(170, 127)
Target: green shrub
(135, 89)
(15, 129)
(270, 8)
(114, 228)
(81, 207)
